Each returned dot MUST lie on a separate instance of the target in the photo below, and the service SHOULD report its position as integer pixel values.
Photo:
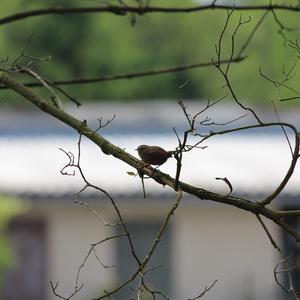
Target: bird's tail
(171, 153)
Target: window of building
(159, 275)
(293, 249)
(26, 278)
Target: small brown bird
(153, 155)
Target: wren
(153, 155)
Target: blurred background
(46, 236)
(94, 45)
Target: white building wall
(226, 244)
(209, 243)
(71, 231)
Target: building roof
(254, 163)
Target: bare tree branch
(278, 84)
(252, 33)
(271, 239)
(225, 72)
(225, 179)
(158, 176)
(259, 208)
(282, 27)
(131, 75)
(286, 270)
(141, 10)
(92, 250)
(54, 290)
(207, 289)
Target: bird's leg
(143, 165)
(157, 167)
(141, 174)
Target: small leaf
(131, 173)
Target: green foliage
(94, 45)
(9, 207)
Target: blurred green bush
(94, 45)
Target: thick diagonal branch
(162, 178)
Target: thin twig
(225, 72)
(252, 33)
(55, 98)
(283, 129)
(91, 250)
(162, 229)
(54, 290)
(291, 289)
(130, 75)
(274, 244)
(105, 223)
(225, 179)
(206, 289)
(282, 27)
(279, 83)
